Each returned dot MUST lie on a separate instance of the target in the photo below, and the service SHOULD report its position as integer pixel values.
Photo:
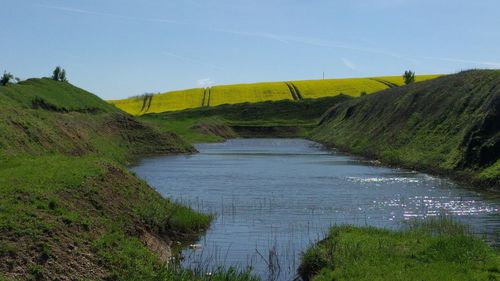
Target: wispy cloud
(192, 60)
(205, 83)
(466, 61)
(285, 39)
(108, 15)
(264, 35)
(349, 64)
(312, 42)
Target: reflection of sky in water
(282, 195)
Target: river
(274, 197)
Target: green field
(259, 92)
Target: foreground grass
(53, 203)
(436, 249)
(260, 92)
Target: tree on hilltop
(409, 77)
(59, 74)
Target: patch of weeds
(7, 249)
(36, 273)
(186, 220)
(45, 252)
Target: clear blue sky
(120, 48)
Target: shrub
(6, 77)
(409, 77)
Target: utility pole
(323, 75)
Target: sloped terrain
(447, 125)
(69, 209)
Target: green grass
(62, 95)
(68, 205)
(445, 125)
(211, 124)
(47, 198)
(437, 249)
(260, 92)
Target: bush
(409, 77)
(6, 77)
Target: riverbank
(434, 249)
(70, 209)
(446, 126)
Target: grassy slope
(449, 124)
(260, 92)
(429, 250)
(68, 206)
(285, 118)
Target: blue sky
(120, 48)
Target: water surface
(274, 197)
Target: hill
(448, 125)
(258, 92)
(69, 208)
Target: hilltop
(448, 125)
(258, 92)
(69, 208)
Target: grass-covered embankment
(284, 118)
(434, 249)
(69, 209)
(449, 125)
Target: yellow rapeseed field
(170, 101)
(332, 87)
(259, 92)
(241, 93)
(398, 80)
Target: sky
(122, 48)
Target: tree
(59, 74)
(6, 77)
(62, 76)
(56, 73)
(409, 77)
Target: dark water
(274, 197)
